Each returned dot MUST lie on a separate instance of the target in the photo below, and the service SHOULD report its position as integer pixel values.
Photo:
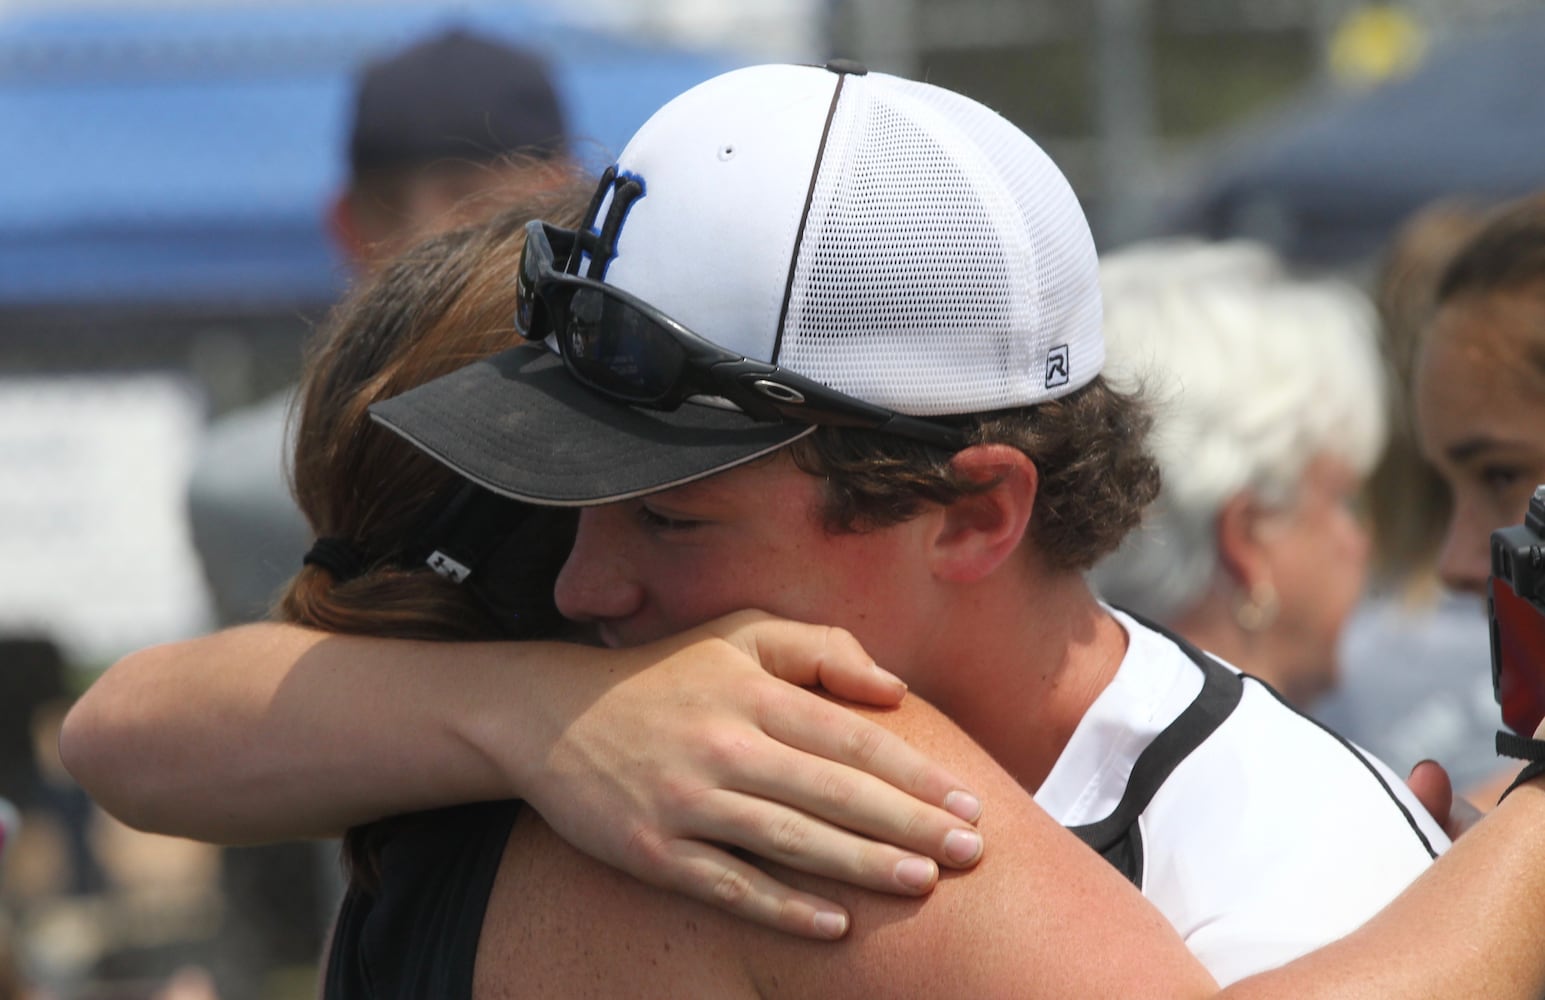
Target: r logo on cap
(1057, 366)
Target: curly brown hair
(1090, 448)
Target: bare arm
(1471, 926)
(645, 758)
(1035, 920)
(1042, 918)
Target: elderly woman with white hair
(1269, 416)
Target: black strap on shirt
(1116, 837)
(1523, 748)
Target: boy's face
(748, 538)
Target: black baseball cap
(455, 95)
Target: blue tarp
(1331, 179)
(188, 155)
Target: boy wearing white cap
(830, 347)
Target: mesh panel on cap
(942, 256)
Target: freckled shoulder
(1031, 921)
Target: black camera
(1516, 602)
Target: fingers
(827, 730)
(822, 761)
(814, 656)
(866, 809)
(1430, 784)
(801, 841)
(750, 761)
(808, 654)
(716, 877)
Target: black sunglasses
(624, 348)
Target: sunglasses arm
(770, 393)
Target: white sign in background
(94, 544)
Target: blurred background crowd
(185, 187)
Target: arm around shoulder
(271, 731)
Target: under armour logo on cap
(447, 567)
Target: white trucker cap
(892, 240)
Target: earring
(1259, 609)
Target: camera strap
(1522, 748)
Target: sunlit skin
(950, 600)
(1480, 404)
(644, 569)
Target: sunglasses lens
(525, 314)
(618, 349)
(536, 255)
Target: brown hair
(1508, 254)
(1408, 501)
(1090, 448)
(443, 304)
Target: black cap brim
(519, 424)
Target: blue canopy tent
(176, 156)
(1330, 180)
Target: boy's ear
(979, 532)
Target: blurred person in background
(441, 132)
(78, 885)
(34, 694)
(1268, 417)
(445, 130)
(1479, 391)
(1416, 677)
(11, 985)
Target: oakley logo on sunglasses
(775, 390)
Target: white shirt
(1270, 839)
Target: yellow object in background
(1376, 42)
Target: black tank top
(417, 935)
